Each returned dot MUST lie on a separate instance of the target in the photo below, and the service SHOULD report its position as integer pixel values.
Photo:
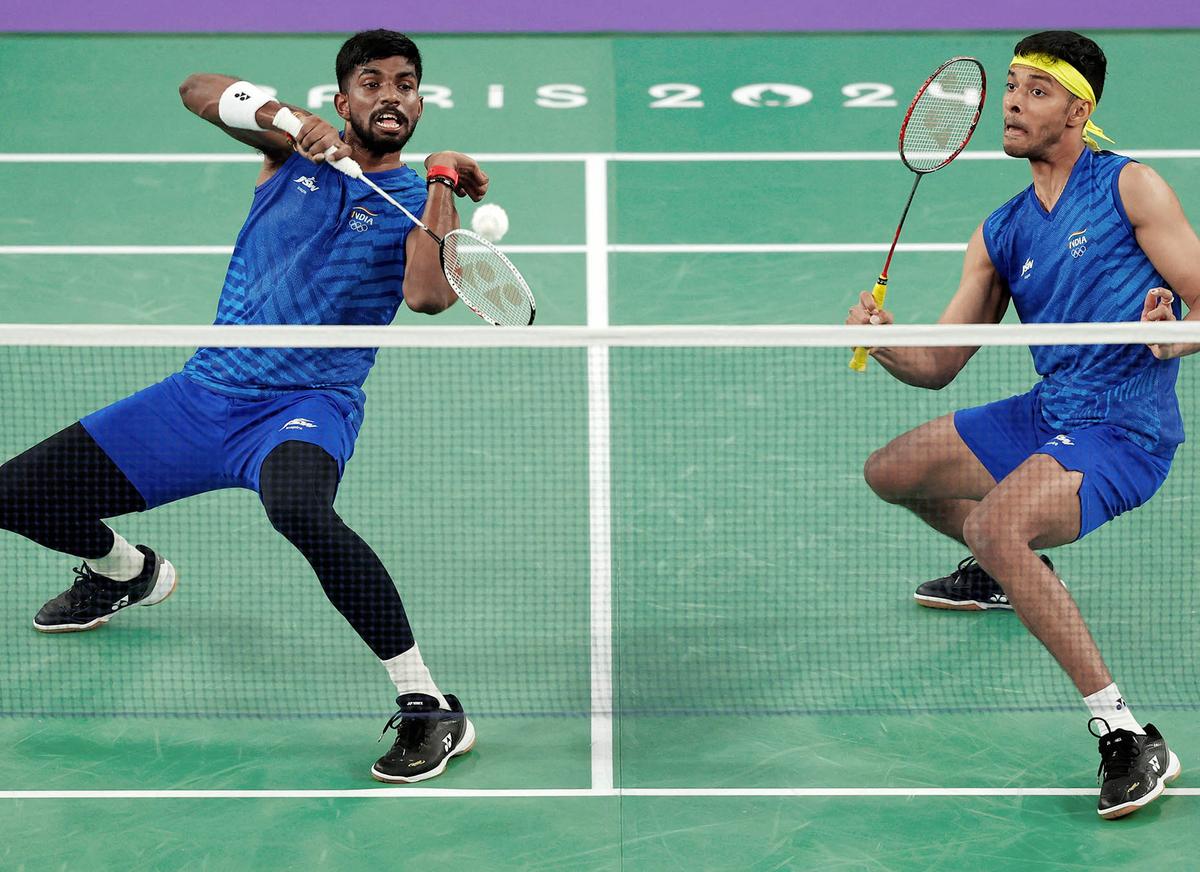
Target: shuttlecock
(490, 222)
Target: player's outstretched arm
(205, 94)
(1165, 235)
(425, 287)
(981, 298)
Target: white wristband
(239, 103)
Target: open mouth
(1013, 128)
(387, 120)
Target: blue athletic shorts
(178, 438)
(1118, 475)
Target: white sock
(410, 675)
(122, 563)
(1109, 705)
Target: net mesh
(943, 116)
(750, 564)
(486, 280)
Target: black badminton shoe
(93, 599)
(967, 589)
(1134, 770)
(426, 738)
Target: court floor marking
(590, 249)
(569, 157)
(226, 250)
(599, 478)
(575, 793)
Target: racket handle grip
(287, 121)
(858, 363)
(347, 165)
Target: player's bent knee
(299, 520)
(304, 522)
(886, 477)
(989, 535)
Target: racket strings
(943, 116)
(486, 280)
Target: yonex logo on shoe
(298, 424)
(121, 603)
(447, 742)
(1120, 703)
(1155, 765)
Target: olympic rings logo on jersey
(1077, 243)
(361, 220)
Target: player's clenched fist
(318, 140)
(1157, 307)
(867, 311)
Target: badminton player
(315, 249)
(1096, 237)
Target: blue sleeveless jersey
(1080, 262)
(317, 248)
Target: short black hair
(373, 45)
(1074, 48)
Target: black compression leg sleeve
(57, 492)
(298, 483)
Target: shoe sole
(934, 602)
(164, 586)
(467, 743)
(1119, 811)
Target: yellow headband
(1071, 79)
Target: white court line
(599, 479)
(573, 157)
(224, 249)
(594, 252)
(552, 793)
(781, 247)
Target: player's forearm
(931, 368)
(201, 94)
(425, 287)
(1179, 349)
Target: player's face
(1036, 108)
(381, 104)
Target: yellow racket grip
(858, 363)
